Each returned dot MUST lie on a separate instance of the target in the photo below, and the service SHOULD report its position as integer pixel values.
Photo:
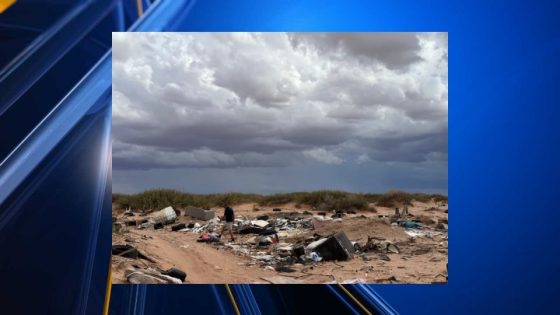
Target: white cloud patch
(322, 156)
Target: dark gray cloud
(394, 50)
(277, 101)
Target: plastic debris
(164, 216)
(149, 276)
(314, 257)
(391, 248)
(260, 223)
(410, 224)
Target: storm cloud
(244, 102)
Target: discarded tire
(131, 223)
(176, 273)
(277, 209)
(263, 217)
(158, 226)
(178, 227)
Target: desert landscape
(331, 148)
(335, 237)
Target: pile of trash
(266, 247)
(159, 219)
(156, 220)
(153, 276)
(137, 275)
(267, 250)
(279, 241)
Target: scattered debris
(384, 257)
(164, 216)
(209, 238)
(149, 276)
(291, 242)
(178, 227)
(392, 249)
(410, 224)
(259, 223)
(127, 251)
(176, 273)
(284, 269)
(335, 247)
(198, 213)
(313, 256)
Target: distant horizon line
(280, 193)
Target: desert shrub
(392, 199)
(160, 198)
(373, 198)
(325, 200)
(439, 198)
(396, 198)
(280, 199)
(233, 198)
(333, 200)
(421, 197)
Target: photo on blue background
(280, 158)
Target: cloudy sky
(278, 112)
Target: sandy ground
(420, 260)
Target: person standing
(229, 216)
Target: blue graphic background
(504, 103)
